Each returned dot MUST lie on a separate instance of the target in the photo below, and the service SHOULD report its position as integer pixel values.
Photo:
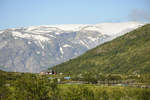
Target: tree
(90, 77)
(32, 87)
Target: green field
(95, 92)
(26, 86)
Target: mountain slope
(35, 48)
(129, 53)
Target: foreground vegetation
(26, 86)
(127, 54)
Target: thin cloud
(139, 15)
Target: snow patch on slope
(61, 50)
(66, 45)
(83, 43)
(92, 39)
(69, 27)
(113, 28)
(52, 36)
(1, 32)
(57, 33)
(30, 36)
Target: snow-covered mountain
(35, 48)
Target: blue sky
(19, 13)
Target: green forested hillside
(127, 54)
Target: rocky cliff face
(35, 48)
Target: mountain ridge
(35, 48)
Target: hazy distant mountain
(35, 48)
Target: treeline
(26, 86)
(94, 77)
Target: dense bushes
(32, 88)
(92, 92)
(20, 86)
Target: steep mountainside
(35, 48)
(129, 53)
